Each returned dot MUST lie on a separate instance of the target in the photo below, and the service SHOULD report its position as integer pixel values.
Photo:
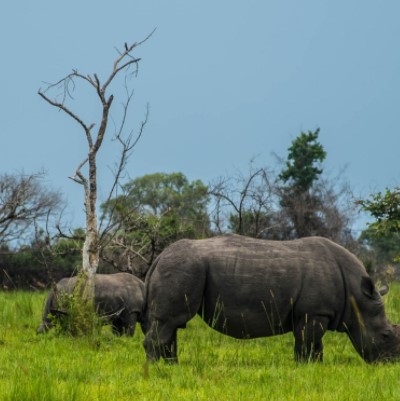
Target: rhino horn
(58, 313)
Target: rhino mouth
(377, 355)
(385, 358)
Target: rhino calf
(249, 288)
(118, 299)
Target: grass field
(212, 366)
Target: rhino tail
(142, 314)
(149, 274)
(151, 268)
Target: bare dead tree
(126, 63)
(24, 202)
(242, 202)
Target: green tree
(383, 233)
(303, 165)
(385, 209)
(383, 249)
(154, 211)
(309, 203)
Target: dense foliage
(157, 209)
(383, 234)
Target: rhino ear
(368, 288)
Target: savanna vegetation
(212, 366)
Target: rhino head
(374, 337)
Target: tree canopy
(311, 204)
(385, 209)
(154, 211)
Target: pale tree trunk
(91, 246)
(90, 250)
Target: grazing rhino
(249, 288)
(118, 299)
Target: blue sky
(226, 81)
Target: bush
(76, 313)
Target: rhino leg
(308, 335)
(124, 324)
(161, 341)
(171, 350)
(130, 324)
(117, 327)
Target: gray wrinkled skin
(249, 288)
(118, 299)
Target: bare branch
(243, 201)
(127, 146)
(125, 54)
(78, 177)
(23, 200)
(62, 107)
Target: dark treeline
(28, 268)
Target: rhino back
(114, 292)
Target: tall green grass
(212, 366)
